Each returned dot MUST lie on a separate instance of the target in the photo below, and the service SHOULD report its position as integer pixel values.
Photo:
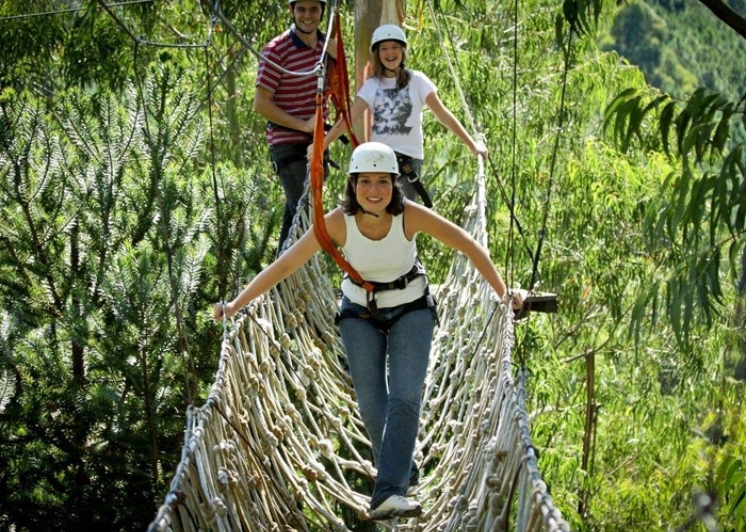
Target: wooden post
(369, 14)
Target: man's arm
(264, 104)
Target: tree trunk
(78, 361)
(369, 14)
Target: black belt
(424, 302)
(399, 283)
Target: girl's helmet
(387, 32)
(373, 157)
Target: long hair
(351, 206)
(402, 80)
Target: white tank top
(381, 261)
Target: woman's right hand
(516, 297)
(218, 311)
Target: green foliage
(638, 34)
(701, 217)
(105, 237)
(694, 233)
(680, 46)
(732, 477)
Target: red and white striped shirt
(294, 95)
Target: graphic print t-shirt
(397, 114)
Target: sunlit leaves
(701, 209)
(731, 475)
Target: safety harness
(406, 171)
(337, 89)
(427, 301)
(418, 270)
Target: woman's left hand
(517, 295)
(479, 149)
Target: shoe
(396, 506)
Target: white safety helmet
(387, 32)
(373, 157)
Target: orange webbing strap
(339, 82)
(317, 186)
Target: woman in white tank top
(386, 331)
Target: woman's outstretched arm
(287, 263)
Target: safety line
(139, 40)
(230, 27)
(218, 225)
(514, 141)
(555, 149)
(509, 264)
(71, 10)
(453, 74)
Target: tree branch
(725, 13)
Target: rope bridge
(279, 445)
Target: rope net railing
(279, 445)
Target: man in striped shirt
(288, 100)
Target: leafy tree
(102, 245)
(698, 218)
(638, 35)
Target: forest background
(137, 191)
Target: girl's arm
(447, 118)
(356, 111)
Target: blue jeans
(389, 401)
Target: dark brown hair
(351, 206)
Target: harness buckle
(370, 299)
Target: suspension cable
(70, 10)
(246, 44)
(453, 73)
(221, 259)
(514, 134)
(555, 149)
(509, 264)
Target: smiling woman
(374, 191)
(397, 96)
(387, 331)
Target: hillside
(680, 45)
